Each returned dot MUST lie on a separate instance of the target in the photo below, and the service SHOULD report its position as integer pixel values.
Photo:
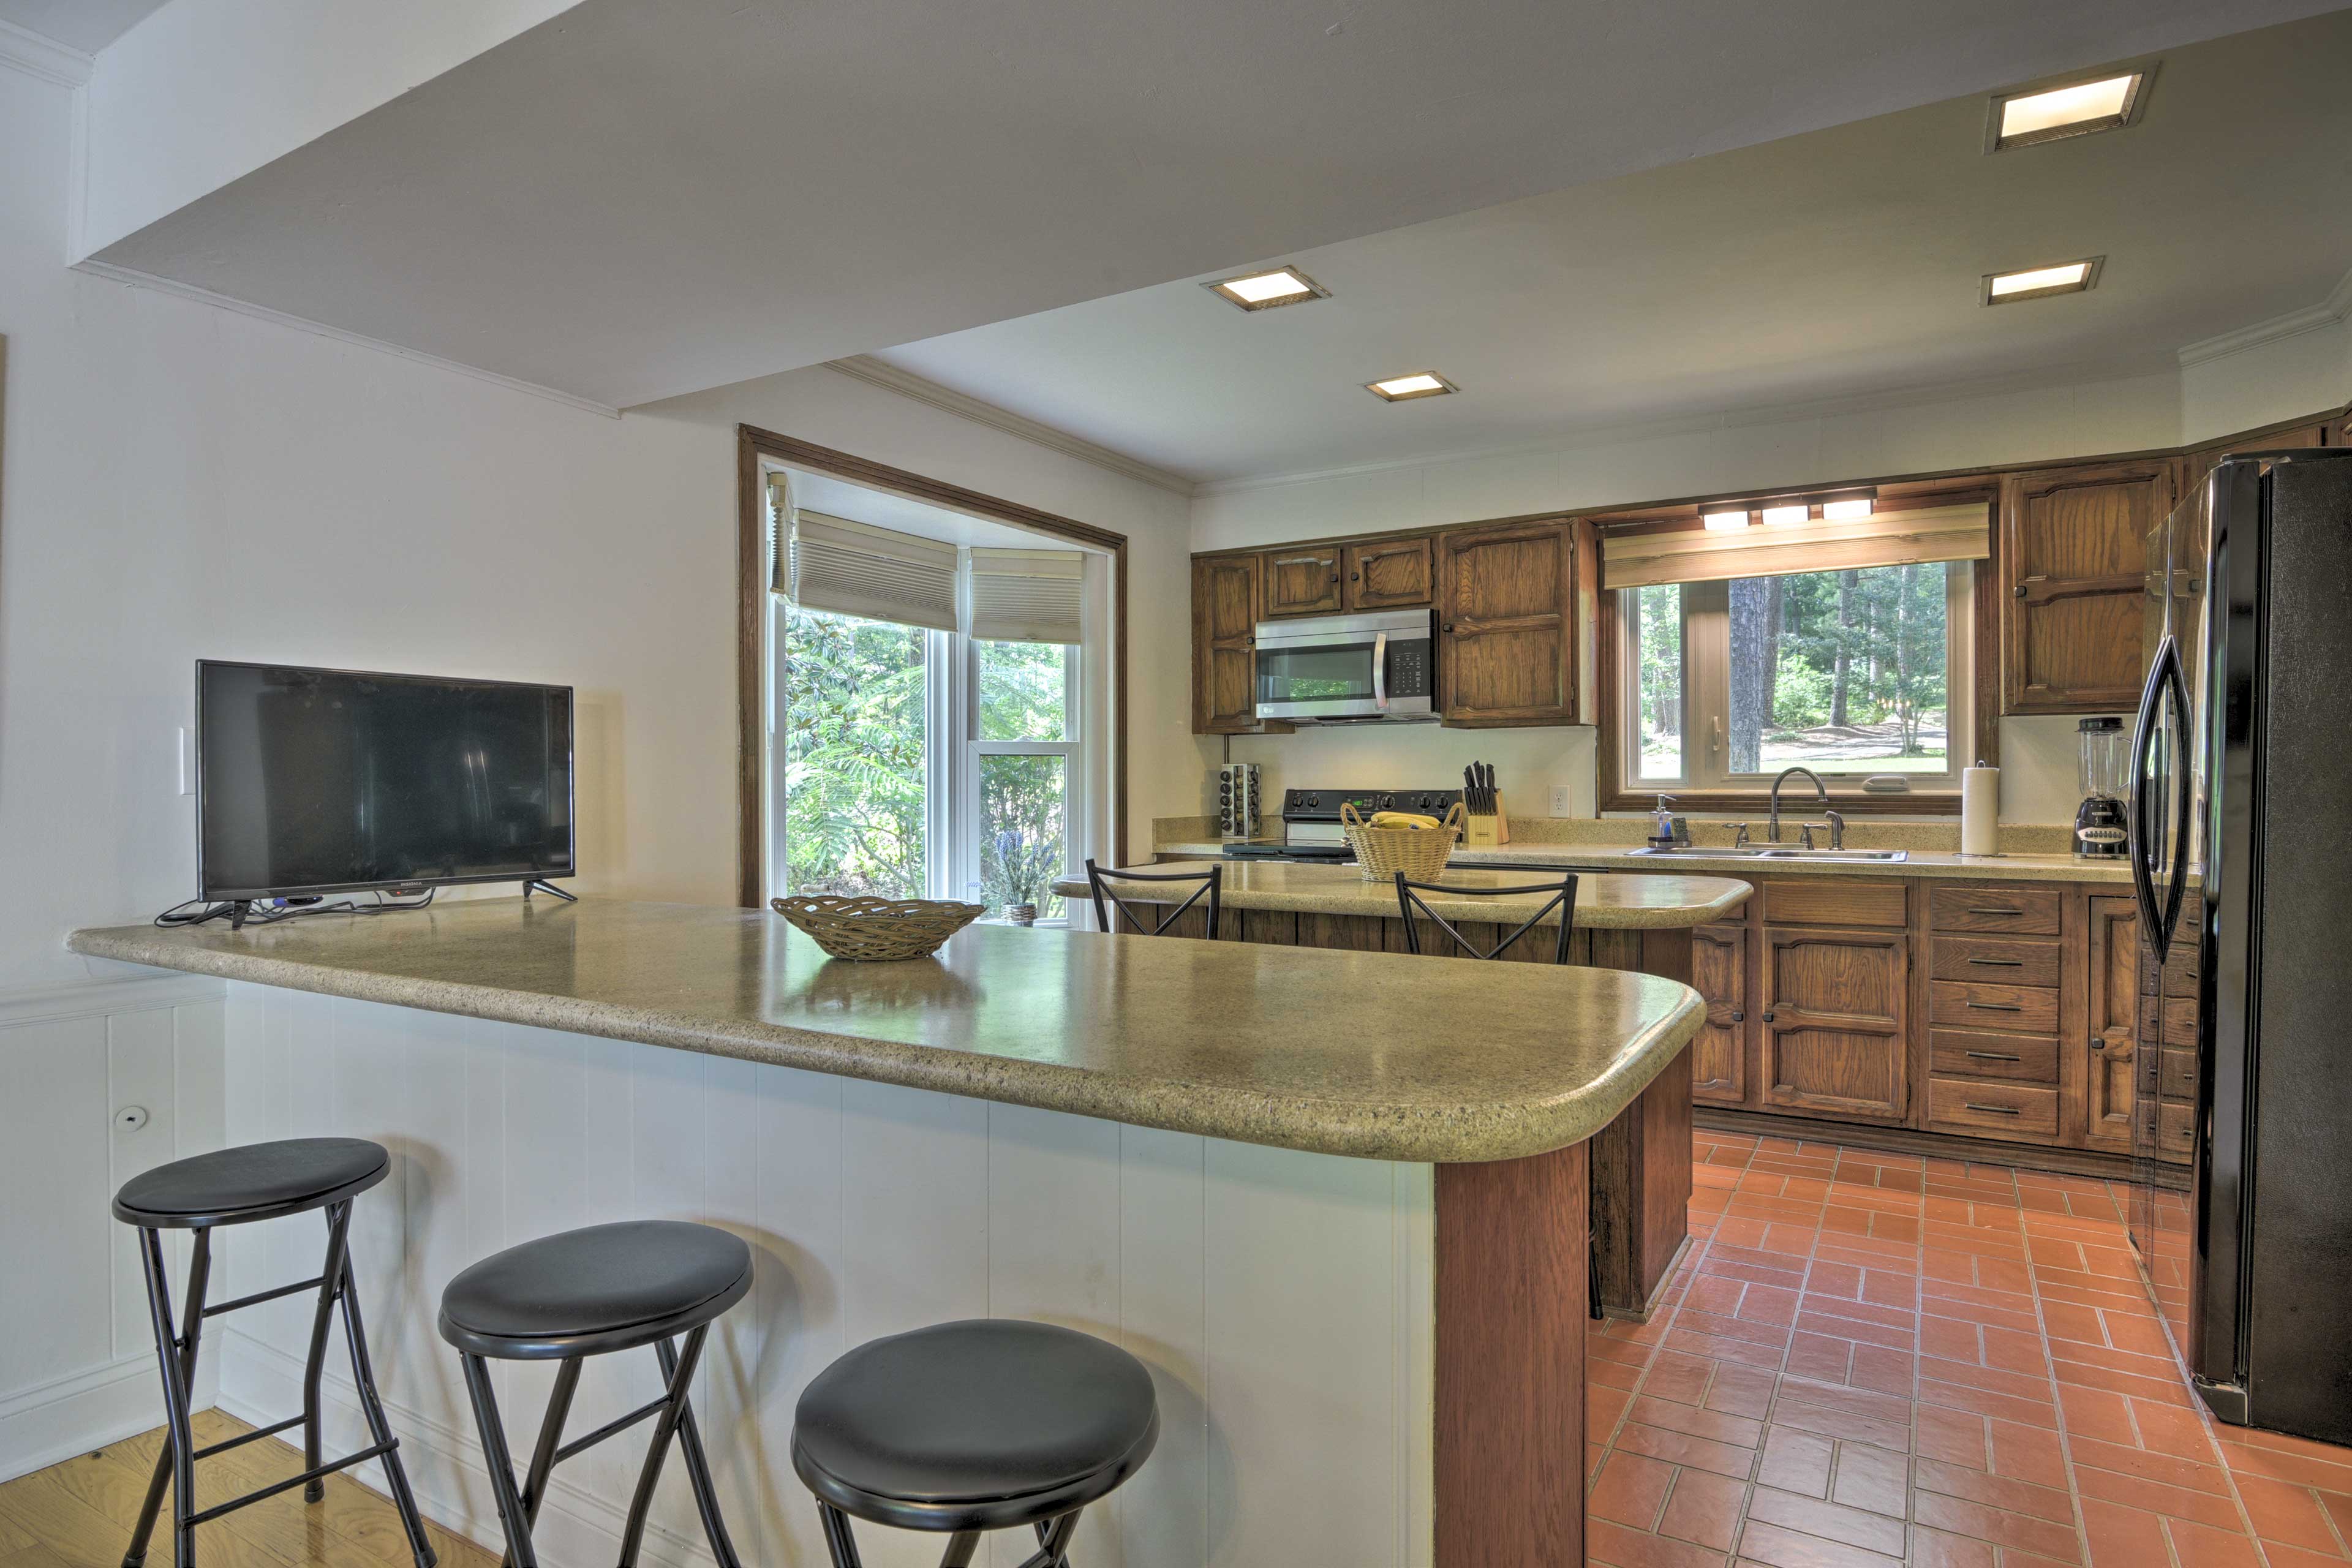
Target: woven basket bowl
(1420, 853)
(876, 930)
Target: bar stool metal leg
(681, 1378)
(551, 1433)
(177, 1358)
(380, 1435)
(697, 1467)
(330, 1284)
(512, 1515)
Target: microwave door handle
(2176, 681)
(1381, 670)
(2137, 814)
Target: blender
(2099, 830)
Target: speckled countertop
(1340, 1053)
(1601, 901)
(1618, 858)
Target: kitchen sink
(1754, 852)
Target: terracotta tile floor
(1874, 1358)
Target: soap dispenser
(1662, 825)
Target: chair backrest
(1106, 897)
(1563, 899)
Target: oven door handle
(1381, 670)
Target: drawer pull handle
(1992, 910)
(2000, 963)
(1995, 1056)
(1996, 1007)
(1991, 1109)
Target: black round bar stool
(238, 1187)
(964, 1427)
(578, 1293)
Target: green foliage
(1023, 836)
(1022, 691)
(853, 756)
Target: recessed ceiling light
(2076, 107)
(1774, 516)
(2041, 282)
(1724, 521)
(1264, 291)
(1842, 511)
(1404, 388)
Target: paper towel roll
(1980, 811)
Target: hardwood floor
(1873, 1359)
(78, 1514)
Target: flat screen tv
(327, 781)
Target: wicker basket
(873, 930)
(1420, 853)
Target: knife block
(1485, 832)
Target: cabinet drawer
(2009, 910)
(2017, 1058)
(2176, 1076)
(2180, 1016)
(2176, 1128)
(2018, 1009)
(1996, 960)
(1837, 901)
(2001, 1110)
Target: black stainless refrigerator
(2241, 822)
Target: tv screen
(317, 780)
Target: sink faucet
(1821, 792)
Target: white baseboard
(42, 1426)
(261, 1383)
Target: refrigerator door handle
(2177, 684)
(2137, 814)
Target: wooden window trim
(752, 589)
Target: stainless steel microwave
(1347, 669)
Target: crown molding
(38, 55)
(2336, 308)
(1738, 417)
(137, 279)
(906, 384)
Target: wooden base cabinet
(1718, 1053)
(1835, 1022)
(2111, 1049)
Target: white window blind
(1026, 595)
(1962, 532)
(851, 569)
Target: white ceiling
(638, 199)
(85, 25)
(1841, 263)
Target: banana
(1403, 819)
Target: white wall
(2279, 379)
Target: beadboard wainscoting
(1291, 1432)
(76, 1362)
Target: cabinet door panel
(1834, 1022)
(1390, 574)
(1507, 611)
(2113, 1035)
(1719, 1051)
(1224, 623)
(1303, 582)
(2073, 557)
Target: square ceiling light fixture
(2041, 282)
(2052, 111)
(1264, 291)
(1405, 388)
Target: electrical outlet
(187, 761)
(1561, 805)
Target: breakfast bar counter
(1336, 1202)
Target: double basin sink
(1774, 852)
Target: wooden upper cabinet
(2073, 560)
(1388, 573)
(1303, 582)
(1719, 1050)
(2114, 1036)
(1225, 591)
(1513, 606)
(1835, 1021)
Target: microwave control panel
(1409, 674)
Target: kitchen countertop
(1601, 901)
(1922, 863)
(1333, 1052)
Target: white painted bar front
(1283, 1300)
